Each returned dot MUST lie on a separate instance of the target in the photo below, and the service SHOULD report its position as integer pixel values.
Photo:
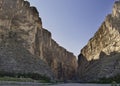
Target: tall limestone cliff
(25, 46)
(101, 56)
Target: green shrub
(114, 83)
(34, 76)
(110, 80)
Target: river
(7, 83)
(76, 84)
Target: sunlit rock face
(100, 57)
(21, 25)
(116, 9)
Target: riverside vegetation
(28, 77)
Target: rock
(21, 25)
(100, 56)
(15, 59)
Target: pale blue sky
(72, 22)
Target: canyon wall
(21, 27)
(101, 56)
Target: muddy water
(41, 84)
(73, 84)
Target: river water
(42, 84)
(73, 84)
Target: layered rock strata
(21, 25)
(100, 57)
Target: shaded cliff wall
(100, 56)
(62, 62)
(22, 23)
